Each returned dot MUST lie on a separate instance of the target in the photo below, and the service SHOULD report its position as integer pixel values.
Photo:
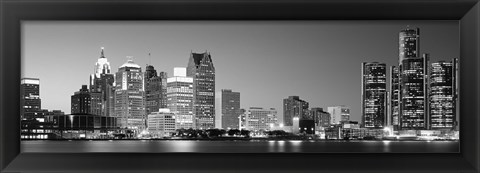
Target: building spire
(101, 54)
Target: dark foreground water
(241, 146)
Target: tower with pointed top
(200, 68)
(101, 83)
(130, 97)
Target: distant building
(374, 95)
(293, 106)
(320, 117)
(82, 126)
(338, 114)
(161, 124)
(102, 82)
(200, 68)
(81, 101)
(30, 101)
(257, 118)
(227, 109)
(180, 98)
(155, 89)
(130, 97)
(443, 94)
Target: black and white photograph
(240, 86)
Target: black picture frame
(12, 12)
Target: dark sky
(266, 61)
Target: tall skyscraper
(293, 106)
(374, 95)
(30, 101)
(257, 118)
(227, 109)
(394, 97)
(180, 98)
(443, 94)
(155, 89)
(320, 117)
(102, 82)
(200, 68)
(338, 114)
(409, 44)
(130, 96)
(413, 80)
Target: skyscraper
(30, 101)
(130, 96)
(200, 68)
(81, 101)
(394, 97)
(374, 96)
(443, 94)
(155, 89)
(293, 106)
(338, 114)
(180, 98)
(227, 109)
(413, 82)
(102, 82)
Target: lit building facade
(443, 94)
(161, 124)
(200, 68)
(180, 98)
(130, 97)
(320, 117)
(30, 101)
(394, 97)
(155, 89)
(227, 109)
(257, 118)
(293, 106)
(338, 114)
(374, 95)
(102, 82)
(413, 82)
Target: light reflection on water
(147, 146)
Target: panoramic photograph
(240, 86)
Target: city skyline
(331, 96)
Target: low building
(82, 126)
(256, 119)
(161, 124)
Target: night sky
(266, 61)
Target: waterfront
(273, 146)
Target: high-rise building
(227, 109)
(180, 98)
(155, 89)
(443, 94)
(413, 82)
(86, 102)
(293, 106)
(30, 102)
(200, 68)
(320, 117)
(409, 44)
(374, 95)
(161, 123)
(102, 82)
(338, 114)
(130, 97)
(394, 97)
(257, 118)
